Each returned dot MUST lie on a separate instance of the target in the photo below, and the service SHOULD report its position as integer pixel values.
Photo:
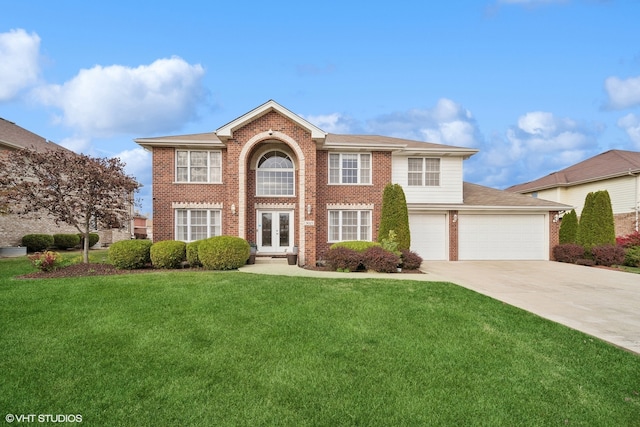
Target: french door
(275, 231)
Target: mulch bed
(80, 270)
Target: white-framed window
(349, 168)
(275, 175)
(349, 225)
(198, 166)
(423, 172)
(197, 224)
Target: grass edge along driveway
(209, 348)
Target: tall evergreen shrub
(569, 228)
(596, 226)
(395, 216)
(587, 223)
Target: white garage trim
(429, 235)
(506, 236)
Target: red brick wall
(453, 235)
(554, 233)
(351, 194)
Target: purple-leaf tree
(74, 189)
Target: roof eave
(631, 172)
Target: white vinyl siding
(349, 225)
(349, 168)
(197, 224)
(449, 189)
(194, 166)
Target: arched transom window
(274, 175)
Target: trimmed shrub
(130, 254)
(608, 255)
(223, 252)
(94, 238)
(395, 216)
(410, 260)
(632, 256)
(168, 254)
(344, 259)
(569, 228)
(380, 260)
(66, 241)
(37, 242)
(568, 252)
(192, 254)
(632, 239)
(596, 226)
(356, 245)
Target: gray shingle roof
(14, 137)
(610, 164)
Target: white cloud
(137, 162)
(332, 123)
(623, 93)
(446, 123)
(19, 62)
(631, 124)
(540, 143)
(105, 101)
(77, 144)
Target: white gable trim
(226, 131)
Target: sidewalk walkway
(599, 302)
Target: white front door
(275, 231)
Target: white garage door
(429, 235)
(502, 237)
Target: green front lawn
(211, 348)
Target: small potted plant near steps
(292, 257)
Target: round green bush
(130, 254)
(37, 242)
(94, 238)
(168, 254)
(223, 252)
(66, 241)
(192, 254)
(632, 256)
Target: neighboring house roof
(610, 164)
(14, 137)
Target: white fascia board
(226, 131)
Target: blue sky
(535, 85)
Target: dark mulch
(80, 270)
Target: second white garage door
(502, 237)
(429, 235)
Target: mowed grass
(236, 349)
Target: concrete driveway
(599, 302)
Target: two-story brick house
(275, 179)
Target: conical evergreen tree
(587, 222)
(605, 232)
(569, 228)
(395, 216)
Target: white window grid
(275, 175)
(423, 172)
(197, 224)
(350, 168)
(198, 166)
(346, 225)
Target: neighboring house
(13, 227)
(616, 171)
(277, 180)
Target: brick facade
(272, 131)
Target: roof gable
(226, 131)
(610, 164)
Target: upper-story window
(275, 175)
(349, 168)
(424, 172)
(198, 166)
